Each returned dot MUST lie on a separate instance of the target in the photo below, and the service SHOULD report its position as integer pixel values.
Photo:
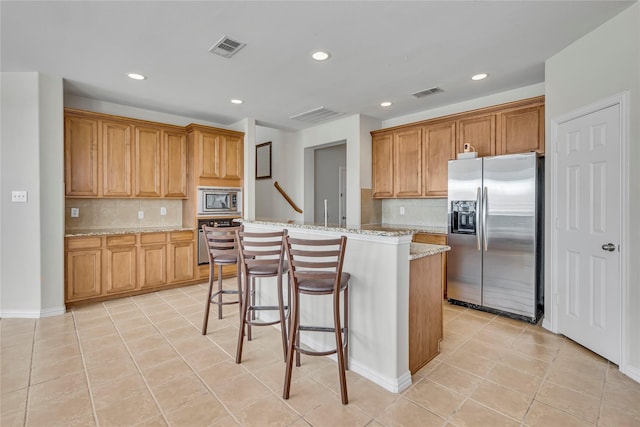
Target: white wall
(327, 164)
(603, 63)
(32, 245)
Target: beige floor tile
(455, 379)
(48, 370)
(138, 332)
(623, 397)
(117, 390)
(157, 421)
(306, 394)
(524, 363)
(272, 376)
(482, 349)
(178, 391)
(110, 371)
(147, 343)
(137, 407)
(611, 416)
(13, 379)
(587, 383)
(406, 413)
(503, 400)
(13, 401)
(202, 410)
(156, 356)
(514, 379)
(470, 362)
(542, 415)
(204, 359)
(472, 414)
(73, 409)
(57, 388)
(243, 391)
(12, 418)
(132, 323)
(369, 397)
(193, 343)
(172, 324)
(105, 355)
(50, 355)
(167, 371)
(334, 413)
(220, 374)
(435, 398)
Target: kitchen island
(378, 259)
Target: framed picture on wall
(263, 160)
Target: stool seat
(322, 286)
(267, 270)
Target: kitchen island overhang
(378, 261)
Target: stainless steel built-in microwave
(219, 201)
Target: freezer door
(464, 261)
(509, 216)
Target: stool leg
(283, 328)
(340, 349)
(243, 320)
(346, 328)
(207, 305)
(251, 313)
(219, 291)
(297, 315)
(293, 326)
(239, 283)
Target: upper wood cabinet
(148, 155)
(382, 170)
(438, 147)
(521, 130)
(219, 156)
(81, 152)
(480, 133)
(116, 159)
(175, 164)
(407, 163)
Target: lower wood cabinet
(425, 310)
(436, 239)
(100, 267)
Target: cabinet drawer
(149, 238)
(181, 235)
(124, 240)
(434, 239)
(75, 243)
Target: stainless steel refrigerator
(496, 229)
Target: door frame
(551, 292)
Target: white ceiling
(381, 50)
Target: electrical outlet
(401, 210)
(163, 211)
(19, 196)
(140, 214)
(75, 212)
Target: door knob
(609, 247)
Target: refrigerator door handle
(485, 237)
(478, 229)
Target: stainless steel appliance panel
(509, 232)
(464, 261)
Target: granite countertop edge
(117, 231)
(421, 250)
(389, 230)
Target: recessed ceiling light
(480, 76)
(320, 55)
(136, 76)
(385, 104)
(236, 101)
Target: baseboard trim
(32, 314)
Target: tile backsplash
(428, 212)
(122, 213)
(370, 208)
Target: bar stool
(261, 256)
(316, 269)
(222, 250)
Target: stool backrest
(221, 241)
(262, 251)
(316, 259)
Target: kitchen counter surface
(388, 230)
(420, 250)
(116, 231)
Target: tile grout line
(84, 367)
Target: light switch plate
(75, 212)
(140, 214)
(163, 211)
(19, 196)
(402, 210)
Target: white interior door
(588, 231)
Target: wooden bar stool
(261, 256)
(222, 250)
(316, 269)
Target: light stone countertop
(116, 231)
(389, 230)
(420, 250)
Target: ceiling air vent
(316, 115)
(426, 92)
(226, 47)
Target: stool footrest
(319, 329)
(266, 307)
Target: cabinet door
(521, 130)
(120, 269)
(81, 151)
(232, 158)
(153, 265)
(175, 164)
(83, 274)
(382, 168)
(407, 164)
(181, 252)
(480, 133)
(116, 159)
(438, 147)
(209, 152)
(148, 161)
